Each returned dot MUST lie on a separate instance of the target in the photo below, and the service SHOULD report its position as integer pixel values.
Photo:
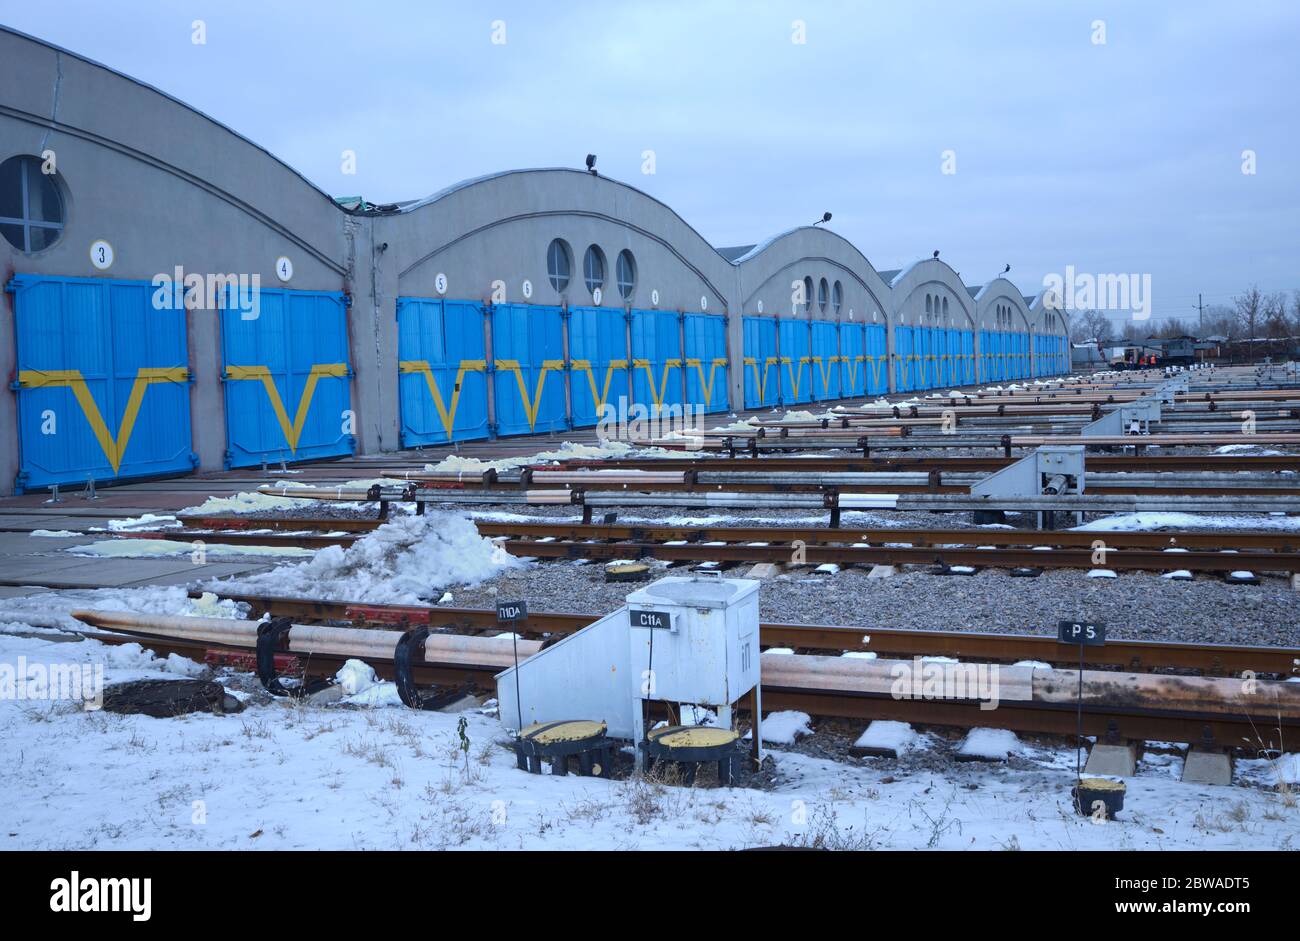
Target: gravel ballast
(1135, 605)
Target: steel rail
(1121, 559)
(1218, 539)
(1107, 722)
(1148, 463)
(1133, 655)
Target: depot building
(177, 298)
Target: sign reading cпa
(76, 894)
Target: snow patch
(888, 735)
(164, 548)
(990, 744)
(782, 728)
(409, 559)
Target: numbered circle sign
(654, 297)
(528, 288)
(704, 302)
(283, 268)
(596, 295)
(760, 307)
(101, 255)
(440, 283)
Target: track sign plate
(1081, 632)
(655, 620)
(512, 610)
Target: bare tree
(1274, 313)
(1090, 326)
(1221, 321)
(1250, 310)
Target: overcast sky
(1122, 157)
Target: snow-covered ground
(288, 775)
(370, 773)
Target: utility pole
(1200, 307)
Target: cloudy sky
(1122, 156)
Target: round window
(31, 206)
(558, 264)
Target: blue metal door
(528, 353)
(761, 367)
(853, 359)
(286, 377)
(967, 357)
(796, 362)
(598, 363)
(825, 366)
(906, 360)
(102, 381)
(656, 359)
(877, 359)
(706, 361)
(442, 371)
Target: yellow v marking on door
(422, 367)
(760, 377)
(530, 408)
(822, 363)
(707, 384)
(795, 373)
(657, 394)
(263, 373)
(598, 396)
(852, 362)
(113, 448)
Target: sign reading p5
(1081, 632)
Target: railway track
(1220, 539)
(1132, 655)
(973, 549)
(1252, 727)
(758, 479)
(1112, 463)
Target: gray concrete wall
(766, 279)
(165, 186)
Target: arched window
(559, 263)
(593, 269)
(837, 297)
(807, 294)
(823, 295)
(928, 305)
(31, 206)
(625, 272)
(945, 311)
